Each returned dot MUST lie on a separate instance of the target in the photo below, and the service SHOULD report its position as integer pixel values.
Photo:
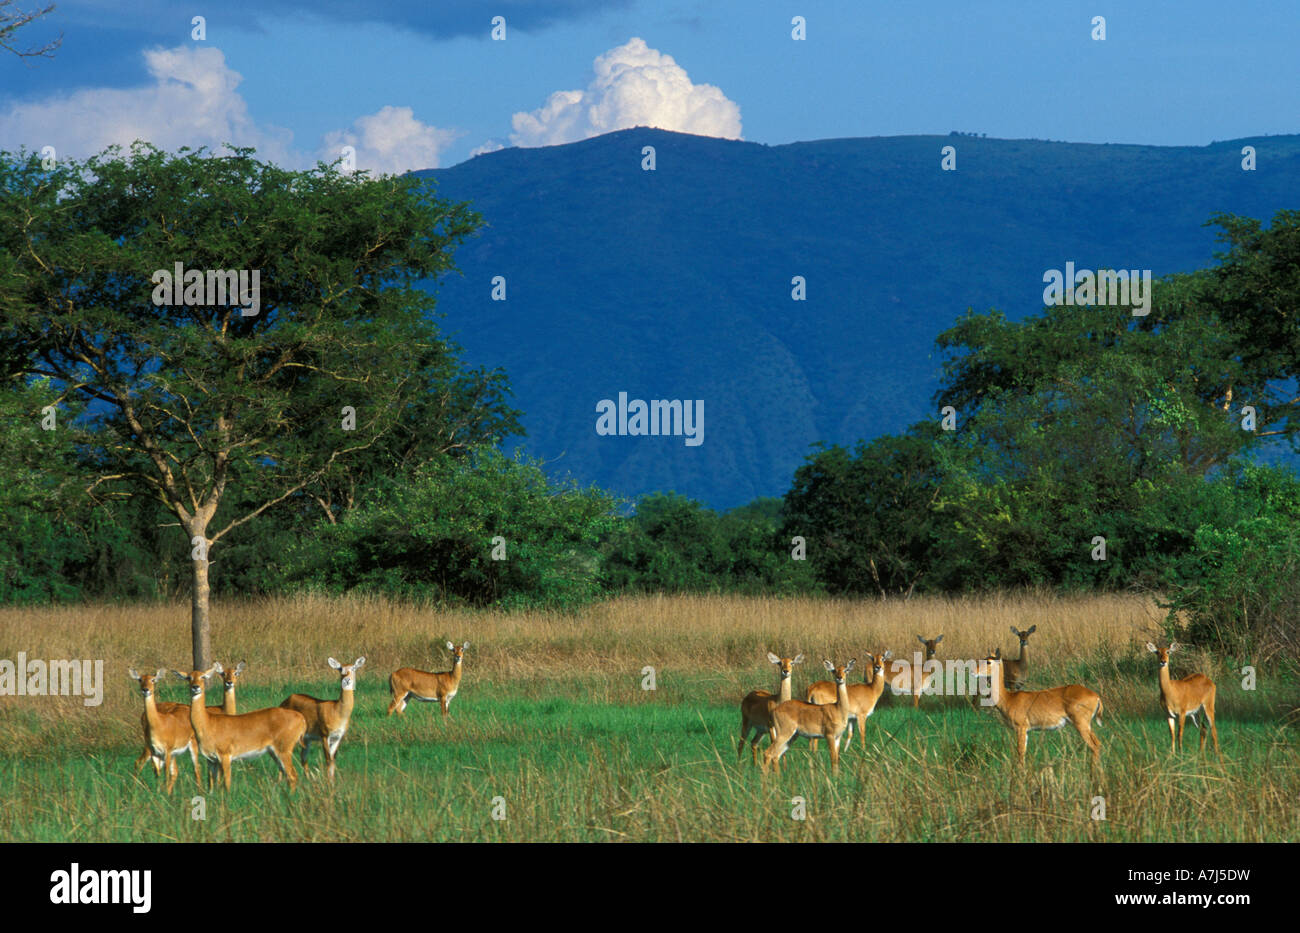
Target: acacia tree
(189, 401)
(1216, 340)
(13, 19)
(1254, 291)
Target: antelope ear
(216, 668)
(1173, 646)
(773, 658)
(888, 654)
(939, 639)
(1033, 628)
(450, 646)
(465, 647)
(920, 639)
(359, 662)
(162, 672)
(853, 662)
(829, 666)
(1151, 647)
(241, 667)
(1014, 630)
(131, 672)
(181, 675)
(332, 663)
(799, 659)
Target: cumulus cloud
(192, 101)
(391, 140)
(492, 145)
(633, 85)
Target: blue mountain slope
(676, 283)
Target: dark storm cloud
(439, 19)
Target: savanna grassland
(552, 717)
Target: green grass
(596, 758)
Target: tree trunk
(200, 631)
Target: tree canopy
(293, 351)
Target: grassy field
(552, 718)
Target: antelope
(863, 697)
(756, 708)
(916, 677)
(422, 685)
(228, 679)
(982, 675)
(227, 708)
(167, 731)
(1183, 698)
(1026, 710)
(327, 720)
(224, 739)
(1014, 672)
(797, 717)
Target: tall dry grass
(724, 638)
(284, 635)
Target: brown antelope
(408, 683)
(167, 731)
(327, 720)
(1183, 698)
(863, 697)
(227, 708)
(1026, 710)
(907, 677)
(228, 681)
(796, 717)
(756, 708)
(224, 739)
(981, 678)
(1014, 672)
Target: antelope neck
(347, 696)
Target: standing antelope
(167, 731)
(1025, 710)
(906, 677)
(227, 708)
(327, 720)
(796, 717)
(421, 685)
(1183, 698)
(756, 708)
(1014, 672)
(863, 697)
(228, 680)
(249, 735)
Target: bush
(1238, 587)
(434, 535)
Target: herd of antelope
(831, 708)
(221, 734)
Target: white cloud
(391, 140)
(192, 102)
(633, 85)
(492, 145)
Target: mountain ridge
(676, 283)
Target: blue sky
(421, 84)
